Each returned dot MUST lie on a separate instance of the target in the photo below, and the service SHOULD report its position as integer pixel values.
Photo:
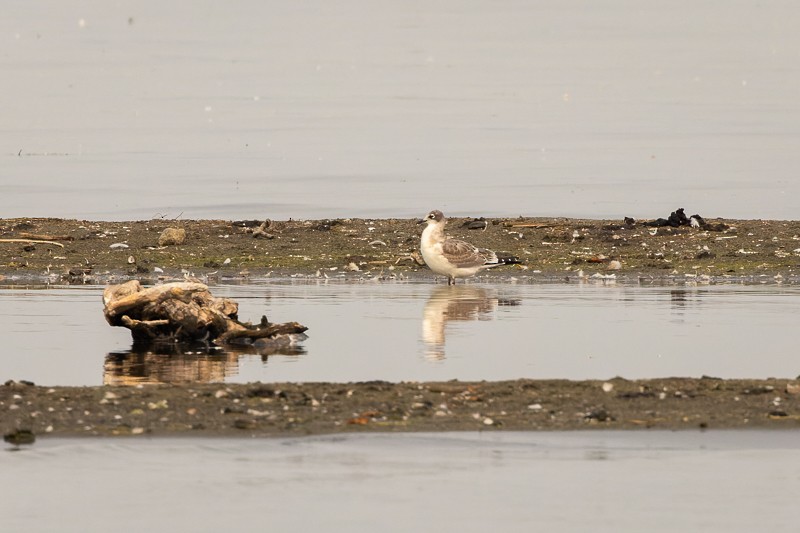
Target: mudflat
(87, 251)
(315, 408)
(72, 251)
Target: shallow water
(576, 481)
(133, 109)
(398, 331)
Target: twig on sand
(32, 241)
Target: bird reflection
(175, 364)
(682, 300)
(454, 303)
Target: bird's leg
(451, 280)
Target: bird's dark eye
(431, 216)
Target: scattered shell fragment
(608, 387)
(118, 246)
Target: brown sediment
(321, 408)
(736, 250)
(556, 247)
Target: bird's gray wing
(463, 255)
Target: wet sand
(550, 249)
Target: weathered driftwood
(183, 312)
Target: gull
(452, 257)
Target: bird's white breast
(431, 249)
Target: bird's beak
(421, 221)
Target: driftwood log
(186, 312)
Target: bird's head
(434, 217)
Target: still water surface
(135, 108)
(398, 331)
(727, 481)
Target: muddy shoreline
(557, 249)
(34, 251)
(281, 409)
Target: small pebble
(244, 424)
(19, 437)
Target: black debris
(477, 223)
(678, 218)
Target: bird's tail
(493, 260)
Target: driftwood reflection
(455, 303)
(179, 363)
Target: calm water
(421, 331)
(575, 481)
(136, 108)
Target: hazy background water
(135, 109)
